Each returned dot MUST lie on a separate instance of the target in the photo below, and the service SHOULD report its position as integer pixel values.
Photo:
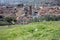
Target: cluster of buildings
(27, 12)
(7, 11)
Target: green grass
(32, 31)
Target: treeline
(49, 17)
(7, 21)
(12, 20)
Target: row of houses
(28, 12)
(7, 11)
(50, 10)
(31, 11)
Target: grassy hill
(32, 31)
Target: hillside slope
(32, 31)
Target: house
(7, 11)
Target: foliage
(36, 19)
(2, 23)
(49, 17)
(20, 5)
(10, 19)
(52, 17)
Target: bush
(49, 17)
(36, 19)
(2, 23)
(52, 17)
(58, 18)
(10, 20)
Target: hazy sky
(17, 1)
(14, 1)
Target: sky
(18, 1)
(15, 1)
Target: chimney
(30, 10)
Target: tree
(10, 20)
(20, 5)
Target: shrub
(36, 19)
(49, 17)
(58, 17)
(10, 20)
(2, 23)
(52, 17)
